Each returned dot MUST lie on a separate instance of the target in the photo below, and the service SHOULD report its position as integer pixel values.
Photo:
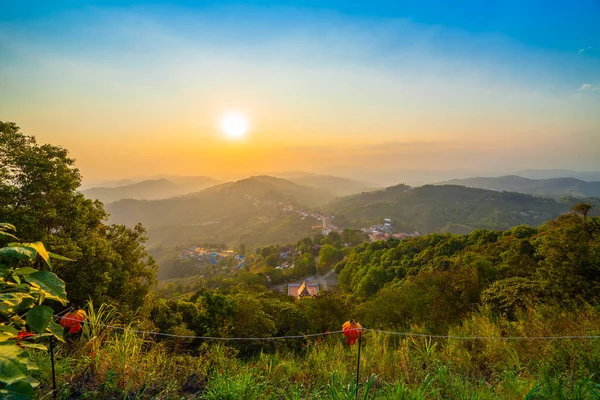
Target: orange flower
(353, 331)
(73, 321)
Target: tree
(569, 253)
(333, 238)
(305, 265)
(582, 208)
(328, 257)
(38, 193)
(353, 236)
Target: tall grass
(109, 363)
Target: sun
(234, 125)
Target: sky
(352, 88)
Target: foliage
(38, 193)
(23, 292)
(430, 208)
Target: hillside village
(228, 259)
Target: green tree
(305, 265)
(38, 193)
(328, 257)
(569, 253)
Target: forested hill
(554, 187)
(334, 184)
(250, 211)
(448, 208)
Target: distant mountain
(334, 184)
(445, 208)
(107, 184)
(251, 211)
(547, 187)
(589, 176)
(151, 189)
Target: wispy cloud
(584, 49)
(589, 86)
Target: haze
(350, 88)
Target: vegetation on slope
(555, 187)
(430, 208)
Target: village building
(303, 289)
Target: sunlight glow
(234, 125)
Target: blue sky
(426, 84)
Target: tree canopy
(38, 194)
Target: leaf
(11, 368)
(32, 381)
(56, 330)
(33, 345)
(40, 249)
(59, 257)
(39, 317)
(20, 390)
(25, 271)
(12, 301)
(52, 286)
(6, 235)
(7, 332)
(18, 252)
(7, 226)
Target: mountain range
(247, 211)
(264, 210)
(166, 186)
(149, 189)
(545, 187)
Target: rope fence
(304, 336)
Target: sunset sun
(234, 125)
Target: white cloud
(589, 86)
(584, 49)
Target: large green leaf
(12, 369)
(18, 252)
(21, 390)
(39, 317)
(52, 286)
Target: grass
(120, 364)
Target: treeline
(38, 194)
(434, 282)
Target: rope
(483, 337)
(204, 337)
(407, 334)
